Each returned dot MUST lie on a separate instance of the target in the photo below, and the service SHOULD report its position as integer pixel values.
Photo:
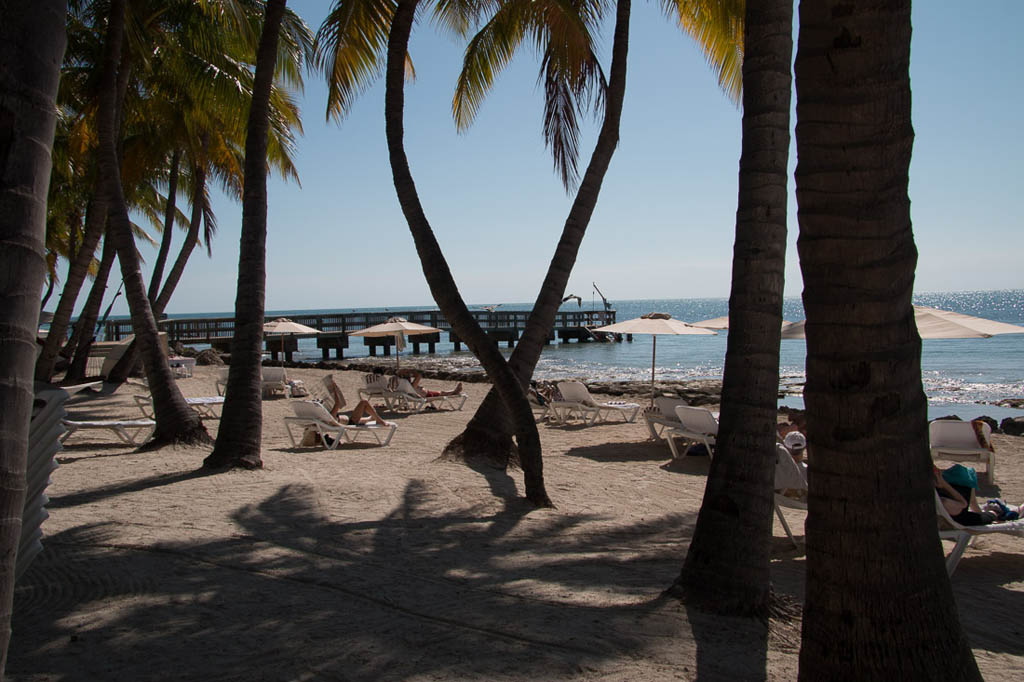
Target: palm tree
(175, 422)
(735, 517)
(717, 27)
(241, 427)
(866, 409)
(32, 41)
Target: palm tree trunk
(488, 432)
(435, 268)
(175, 421)
(165, 240)
(32, 41)
(241, 424)
(191, 239)
(95, 221)
(866, 408)
(736, 516)
(85, 329)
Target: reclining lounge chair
(312, 413)
(577, 401)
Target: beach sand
(371, 563)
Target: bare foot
(458, 387)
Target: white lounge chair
(788, 477)
(404, 394)
(696, 425)
(376, 386)
(131, 431)
(663, 416)
(963, 535)
(275, 379)
(312, 413)
(206, 407)
(576, 400)
(955, 440)
(221, 382)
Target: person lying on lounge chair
(960, 502)
(415, 378)
(363, 411)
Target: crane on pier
(607, 305)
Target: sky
(665, 219)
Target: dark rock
(209, 357)
(1015, 403)
(1013, 426)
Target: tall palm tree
(716, 25)
(175, 421)
(866, 408)
(32, 41)
(726, 567)
(241, 427)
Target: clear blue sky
(664, 222)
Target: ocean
(961, 376)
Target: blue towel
(960, 475)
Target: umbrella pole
(654, 354)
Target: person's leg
(364, 409)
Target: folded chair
(696, 425)
(221, 382)
(788, 478)
(576, 400)
(312, 413)
(275, 379)
(403, 394)
(963, 535)
(959, 441)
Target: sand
(372, 563)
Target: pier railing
(504, 325)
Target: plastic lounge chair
(312, 413)
(131, 431)
(955, 440)
(275, 379)
(663, 416)
(43, 445)
(577, 399)
(963, 535)
(788, 476)
(204, 406)
(403, 393)
(696, 425)
(540, 410)
(221, 383)
(376, 386)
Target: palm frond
(717, 28)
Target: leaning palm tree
(32, 40)
(716, 25)
(866, 408)
(241, 427)
(735, 516)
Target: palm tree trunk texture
(241, 424)
(95, 222)
(726, 566)
(32, 41)
(175, 421)
(165, 240)
(878, 602)
(435, 268)
(489, 430)
(85, 329)
(191, 239)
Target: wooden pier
(501, 325)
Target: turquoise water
(959, 375)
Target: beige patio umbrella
(723, 323)
(397, 327)
(282, 327)
(654, 324)
(934, 323)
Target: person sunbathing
(960, 502)
(361, 413)
(415, 378)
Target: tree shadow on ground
(641, 451)
(426, 591)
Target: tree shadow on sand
(426, 591)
